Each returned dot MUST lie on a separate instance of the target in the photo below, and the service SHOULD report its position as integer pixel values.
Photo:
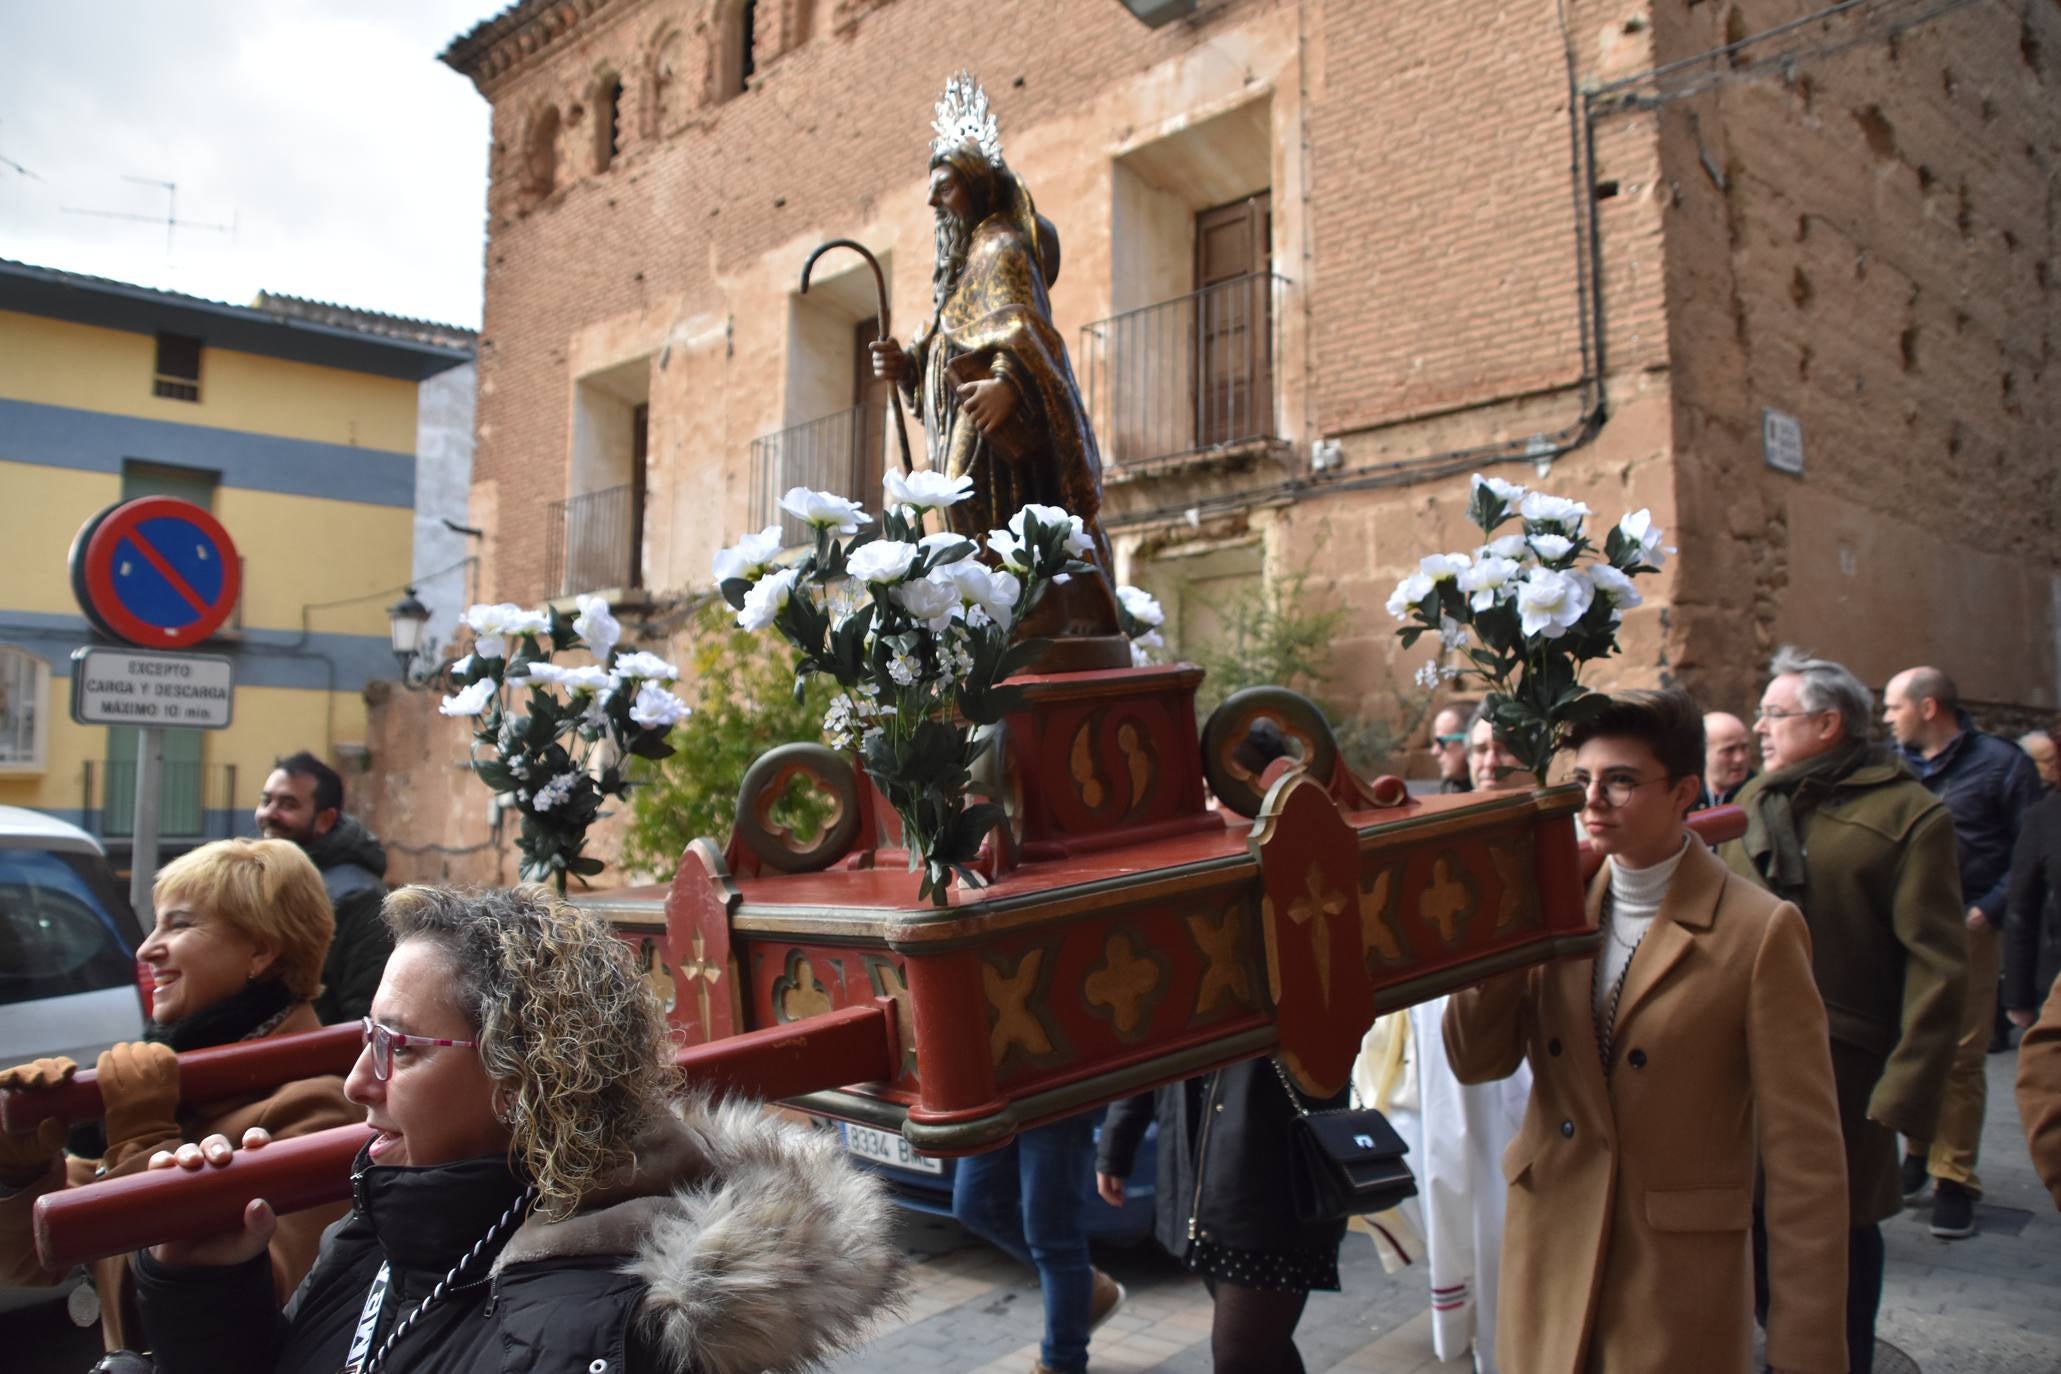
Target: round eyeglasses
(383, 1039)
(1615, 788)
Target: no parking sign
(156, 571)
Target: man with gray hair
(1840, 827)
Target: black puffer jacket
(1225, 1157)
(1989, 784)
(353, 871)
(2032, 937)
(736, 1245)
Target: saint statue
(998, 396)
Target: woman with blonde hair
(236, 953)
(536, 1197)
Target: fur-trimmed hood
(762, 1246)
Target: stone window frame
(24, 731)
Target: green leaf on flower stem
(650, 744)
(585, 867)
(563, 636)
(1019, 656)
(1410, 634)
(734, 589)
(1583, 707)
(495, 775)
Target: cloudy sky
(351, 162)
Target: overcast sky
(352, 163)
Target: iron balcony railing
(591, 542)
(1186, 376)
(840, 454)
(196, 801)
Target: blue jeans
(1026, 1199)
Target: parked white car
(68, 941)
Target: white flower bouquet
(1528, 609)
(555, 738)
(915, 629)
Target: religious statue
(998, 396)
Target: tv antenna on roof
(170, 219)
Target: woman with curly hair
(536, 1197)
(235, 953)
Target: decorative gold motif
(1122, 982)
(657, 974)
(797, 994)
(1222, 943)
(1377, 936)
(1081, 762)
(1318, 907)
(1009, 999)
(1446, 902)
(1139, 758)
(1507, 879)
(890, 982)
(704, 975)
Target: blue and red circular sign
(156, 571)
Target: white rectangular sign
(1781, 441)
(137, 687)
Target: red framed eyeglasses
(382, 1039)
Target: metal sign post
(150, 766)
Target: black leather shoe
(1953, 1211)
(1914, 1177)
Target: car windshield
(61, 930)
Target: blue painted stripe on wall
(263, 658)
(90, 441)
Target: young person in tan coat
(1692, 1044)
(236, 954)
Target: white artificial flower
(538, 673)
(927, 490)
(1614, 585)
(469, 701)
(750, 557)
(592, 678)
(928, 599)
(1407, 594)
(597, 627)
(1430, 675)
(1009, 548)
(904, 669)
(1549, 601)
(1509, 493)
(1507, 546)
(1488, 579)
(655, 708)
(462, 666)
(1552, 512)
(823, 510)
(1440, 566)
(884, 561)
(557, 790)
(1145, 646)
(766, 599)
(643, 665)
(1640, 529)
(1552, 547)
(838, 722)
(1451, 633)
(985, 594)
(1141, 605)
(1077, 541)
(490, 627)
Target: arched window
(665, 97)
(24, 687)
(540, 155)
(735, 40)
(608, 120)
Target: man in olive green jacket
(1844, 830)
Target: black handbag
(1348, 1162)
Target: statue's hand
(890, 363)
(990, 402)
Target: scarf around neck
(1784, 798)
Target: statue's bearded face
(957, 215)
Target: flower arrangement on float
(916, 630)
(551, 739)
(1527, 609)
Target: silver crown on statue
(963, 117)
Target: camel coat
(1626, 1247)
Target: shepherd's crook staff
(880, 290)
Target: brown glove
(139, 1089)
(25, 1155)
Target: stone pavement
(1987, 1305)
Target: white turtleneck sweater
(1635, 897)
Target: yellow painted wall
(41, 508)
(57, 362)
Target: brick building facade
(1321, 261)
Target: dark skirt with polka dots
(1314, 1269)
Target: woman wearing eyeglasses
(535, 1198)
(242, 928)
(1691, 1044)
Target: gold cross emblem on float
(1319, 906)
(704, 975)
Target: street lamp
(406, 619)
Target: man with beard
(998, 396)
(303, 802)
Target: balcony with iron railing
(1187, 377)
(840, 453)
(196, 801)
(593, 542)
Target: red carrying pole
(118, 1215)
(246, 1067)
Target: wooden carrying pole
(117, 1215)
